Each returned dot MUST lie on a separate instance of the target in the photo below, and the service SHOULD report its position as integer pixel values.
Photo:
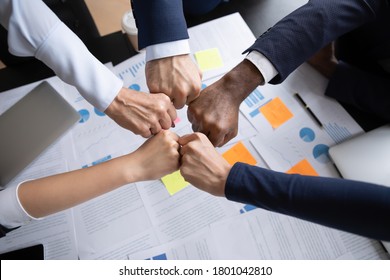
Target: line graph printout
(300, 137)
(144, 219)
(97, 136)
(292, 144)
(311, 86)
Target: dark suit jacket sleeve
(364, 90)
(352, 206)
(159, 21)
(302, 33)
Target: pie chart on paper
(321, 153)
(307, 134)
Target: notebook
(365, 157)
(30, 126)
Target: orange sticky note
(276, 112)
(304, 168)
(239, 153)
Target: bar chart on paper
(337, 132)
(132, 72)
(254, 101)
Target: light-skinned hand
(157, 157)
(202, 165)
(142, 113)
(177, 76)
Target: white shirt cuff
(167, 49)
(263, 64)
(12, 212)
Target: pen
(308, 109)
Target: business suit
(356, 207)
(363, 30)
(161, 21)
(333, 202)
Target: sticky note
(304, 168)
(174, 182)
(239, 153)
(208, 59)
(276, 112)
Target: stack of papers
(169, 218)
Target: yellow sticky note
(239, 153)
(304, 168)
(174, 182)
(276, 112)
(208, 59)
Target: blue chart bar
(133, 70)
(247, 208)
(255, 112)
(337, 133)
(160, 257)
(254, 98)
(103, 159)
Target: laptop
(365, 157)
(30, 126)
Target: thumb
(185, 139)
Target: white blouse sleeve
(34, 30)
(12, 213)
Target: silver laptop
(30, 126)
(365, 157)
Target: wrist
(128, 168)
(242, 80)
(224, 175)
(113, 108)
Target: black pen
(308, 109)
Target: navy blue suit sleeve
(302, 33)
(364, 90)
(352, 206)
(159, 21)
